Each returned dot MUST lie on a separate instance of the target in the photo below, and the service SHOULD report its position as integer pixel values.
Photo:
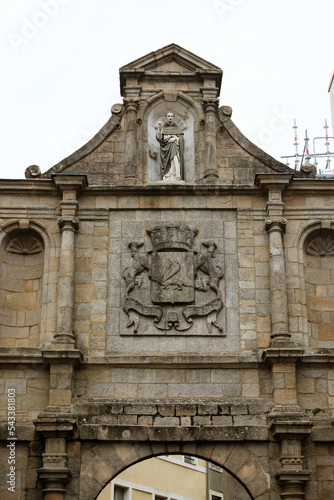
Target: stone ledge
(23, 432)
(172, 433)
(157, 361)
(24, 355)
(323, 434)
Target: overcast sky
(60, 61)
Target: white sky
(60, 62)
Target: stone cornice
(274, 181)
(38, 187)
(27, 355)
(70, 182)
(282, 355)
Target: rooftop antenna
(296, 145)
(306, 152)
(328, 160)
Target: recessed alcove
(21, 273)
(319, 285)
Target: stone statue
(171, 142)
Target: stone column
(275, 226)
(131, 102)
(68, 223)
(278, 292)
(68, 226)
(210, 107)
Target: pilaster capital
(131, 103)
(210, 105)
(278, 224)
(69, 222)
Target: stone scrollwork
(32, 172)
(182, 285)
(69, 222)
(276, 224)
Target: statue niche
(180, 145)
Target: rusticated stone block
(159, 421)
(222, 420)
(185, 410)
(140, 409)
(223, 409)
(190, 433)
(164, 433)
(202, 420)
(239, 409)
(166, 410)
(208, 409)
(247, 420)
(145, 420)
(127, 419)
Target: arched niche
(185, 116)
(319, 285)
(23, 250)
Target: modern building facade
(141, 317)
(174, 477)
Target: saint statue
(171, 142)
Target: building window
(190, 460)
(216, 495)
(120, 493)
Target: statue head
(170, 117)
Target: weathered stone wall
(140, 317)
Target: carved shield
(172, 277)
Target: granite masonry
(141, 317)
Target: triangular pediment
(172, 62)
(161, 59)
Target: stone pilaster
(131, 102)
(283, 362)
(70, 186)
(292, 476)
(54, 474)
(210, 105)
(275, 225)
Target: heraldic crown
(174, 235)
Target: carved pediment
(183, 58)
(170, 60)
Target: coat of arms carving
(182, 284)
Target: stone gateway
(141, 316)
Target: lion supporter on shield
(171, 142)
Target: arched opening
(175, 477)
